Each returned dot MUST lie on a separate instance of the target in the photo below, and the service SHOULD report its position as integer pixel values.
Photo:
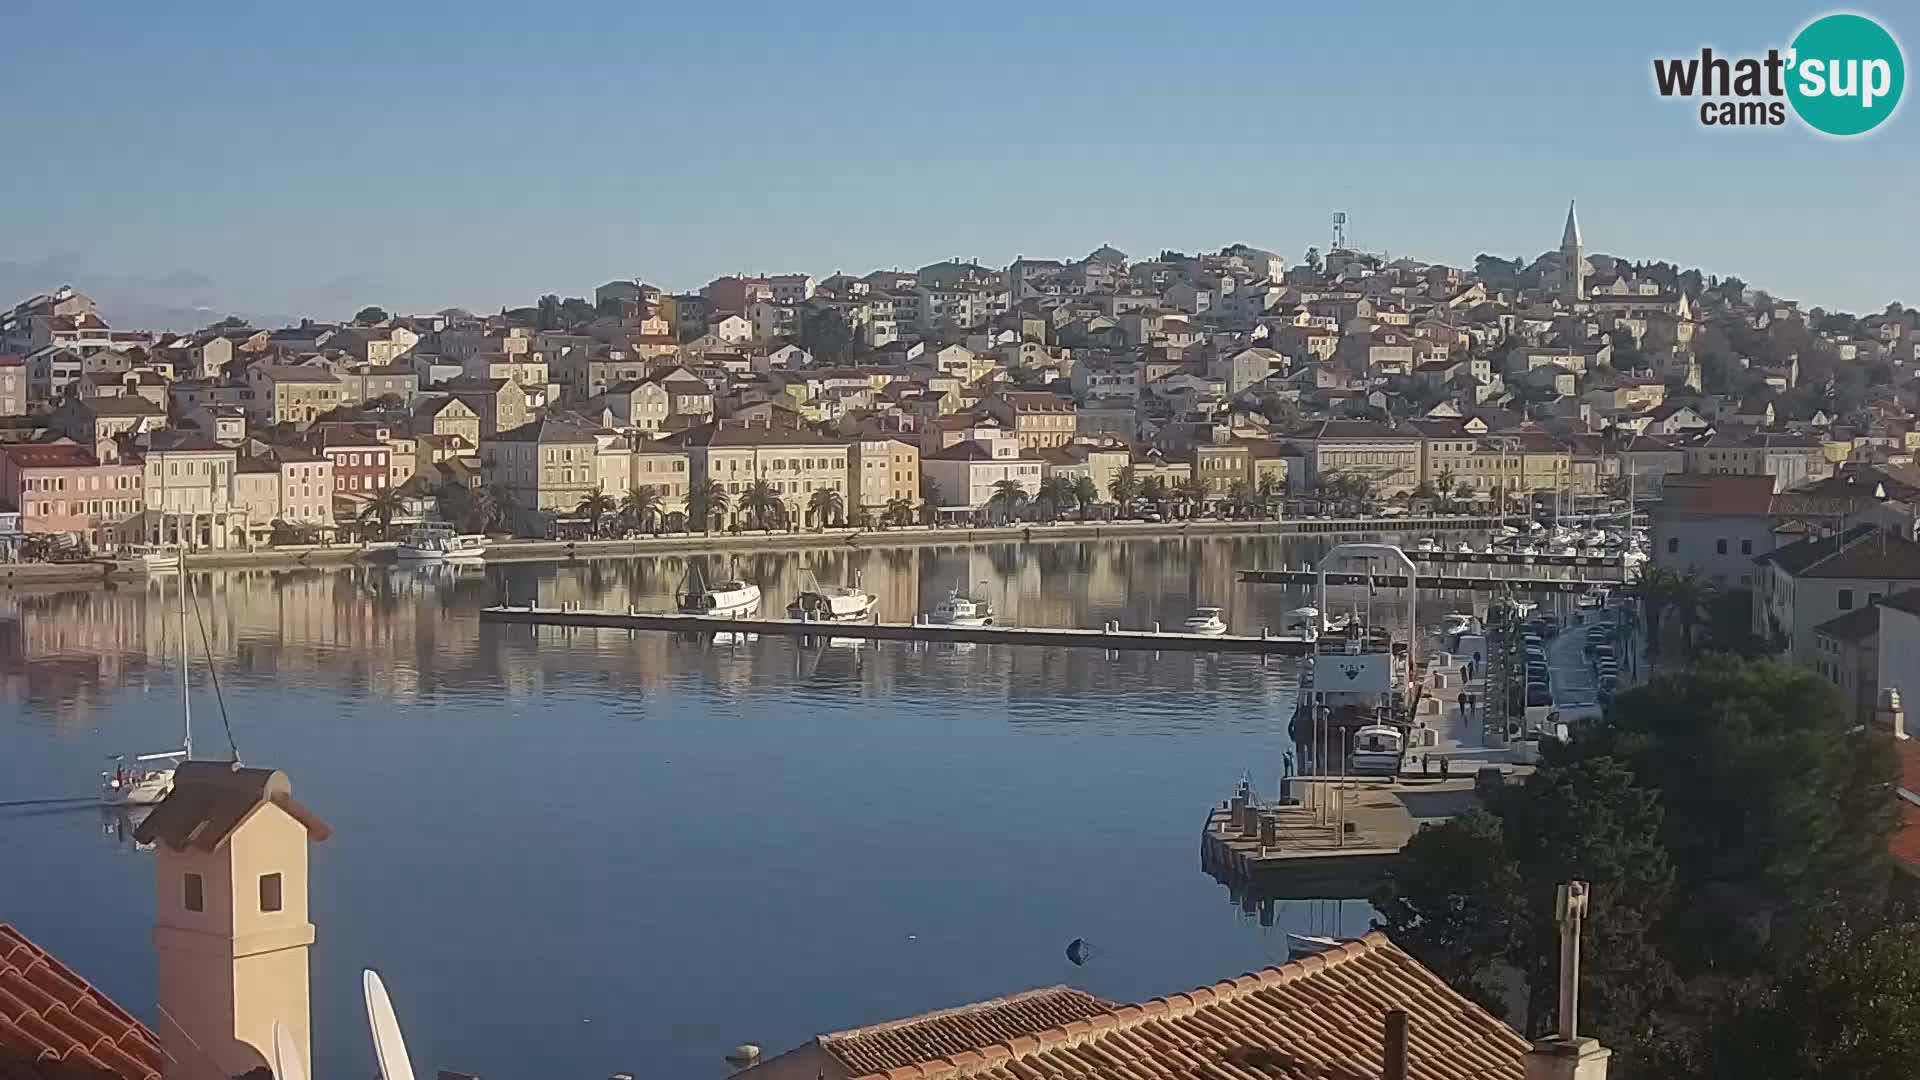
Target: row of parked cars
(1533, 643)
(1600, 652)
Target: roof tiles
(57, 1025)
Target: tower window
(269, 892)
(196, 893)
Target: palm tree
(706, 501)
(898, 512)
(1690, 595)
(596, 508)
(642, 509)
(1155, 491)
(1655, 591)
(1056, 494)
(1240, 498)
(381, 510)
(1125, 488)
(827, 507)
(1443, 485)
(1085, 494)
(453, 500)
(1007, 498)
(761, 502)
(1270, 490)
(1192, 493)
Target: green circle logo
(1847, 74)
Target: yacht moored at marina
(832, 603)
(1205, 620)
(142, 784)
(959, 609)
(722, 599)
(146, 558)
(435, 542)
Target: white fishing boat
(1464, 548)
(148, 778)
(437, 542)
(146, 558)
(1377, 750)
(731, 599)
(1205, 620)
(1460, 622)
(832, 603)
(959, 609)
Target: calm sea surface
(574, 853)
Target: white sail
(388, 1046)
(286, 1055)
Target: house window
(1673, 545)
(1746, 547)
(1846, 599)
(1720, 546)
(196, 897)
(270, 892)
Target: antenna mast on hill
(1339, 230)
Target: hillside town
(1213, 384)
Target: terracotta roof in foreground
(1315, 1018)
(57, 1025)
(930, 1036)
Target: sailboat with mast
(144, 781)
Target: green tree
(643, 509)
(826, 333)
(453, 501)
(1086, 494)
(1691, 596)
(1844, 1006)
(898, 512)
(1007, 498)
(1125, 488)
(827, 507)
(369, 315)
(597, 507)
(1054, 496)
(381, 509)
(547, 313)
(1192, 493)
(1240, 498)
(1454, 903)
(1774, 797)
(706, 502)
(761, 502)
(1269, 492)
(1154, 489)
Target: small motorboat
(1205, 620)
(436, 542)
(1460, 622)
(1464, 548)
(1427, 546)
(959, 609)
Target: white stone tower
(1572, 258)
(231, 934)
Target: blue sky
(282, 161)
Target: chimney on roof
(1566, 1055)
(1888, 715)
(1396, 1065)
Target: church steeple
(1572, 257)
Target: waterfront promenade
(18, 575)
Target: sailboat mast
(186, 682)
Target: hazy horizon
(281, 164)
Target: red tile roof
(934, 1035)
(1905, 843)
(1318, 1017)
(60, 1026)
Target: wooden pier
(1112, 639)
(1304, 852)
